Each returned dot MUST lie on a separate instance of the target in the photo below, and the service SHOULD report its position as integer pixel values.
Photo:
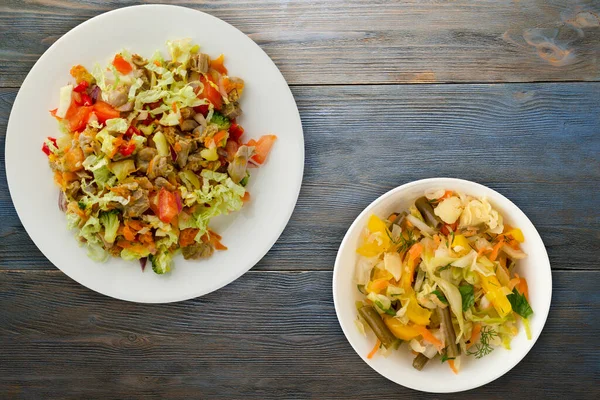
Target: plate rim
(299, 171)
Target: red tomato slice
(167, 205)
(262, 147)
(235, 131)
(78, 117)
(202, 109)
(105, 111)
(211, 94)
(122, 65)
(127, 149)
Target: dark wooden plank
(381, 41)
(538, 144)
(268, 335)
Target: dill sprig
(483, 348)
(404, 243)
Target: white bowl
(268, 106)
(437, 377)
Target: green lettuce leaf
(519, 304)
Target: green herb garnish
(440, 296)
(483, 348)
(468, 298)
(519, 304)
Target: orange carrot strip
(474, 335)
(372, 353)
(495, 250)
(522, 287)
(128, 233)
(428, 336)
(452, 367)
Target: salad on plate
(150, 151)
(441, 277)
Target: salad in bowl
(440, 276)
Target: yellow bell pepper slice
(414, 312)
(379, 245)
(461, 240)
(380, 282)
(516, 234)
(493, 291)
(401, 331)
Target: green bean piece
(400, 218)
(376, 323)
(427, 212)
(448, 329)
(420, 361)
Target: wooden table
(505, 93)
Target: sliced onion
(514, 254)
(95, 93)
(178, 200)
(420, 225)
(62, 201)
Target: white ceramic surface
(437, 377)
(268, 106)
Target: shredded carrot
(220, 138)
(447, 193)
(218, 245)
(495, 250)
(246, 197)
(474, 335)
(437, 240)
(134, 224)
(375, 348)
(415, 251)
(218, 64)
(392, 217)
(177, 147)
(186, 237)
(452, 367)
(428, 336)
(128, 233)
(522, 286)
(212, 233)
(146, 238)
(174, 106)
(513, 282)
(150, 166)
(157, 63)
(482, 251)
(123, 243)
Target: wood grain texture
(538, 144)
(268, 335)
(348, 42)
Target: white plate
(268, 106)
(437, 377)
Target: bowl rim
(441, 182)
